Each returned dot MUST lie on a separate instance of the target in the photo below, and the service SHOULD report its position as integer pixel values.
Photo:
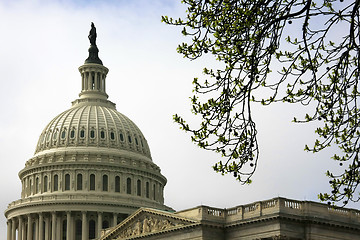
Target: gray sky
(44, 42)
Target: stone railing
(273, 206)
(60, 198)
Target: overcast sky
(42, 43)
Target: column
(29, 230)
(53, 226)
(59, 222)
(82, 81)
(104, 82)
(9, 229)
(41, 227)
(37, 228)
(13, 232)
(91, 80)
(68, 226)
(47, 227)
(20, 228)
(99, 224)
(84, 227)
(115, 216)
(96, 81)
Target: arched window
(48, 136)
(147, 190)
(56, 182)
(128, 185)
(102, 134)
(67, 182)
(92, 133)
(112, 135)
(82, 133)
(63, 134)
(55, 134)
(105, 183)
(154, 193)
(117, 184)
(129, 138)
(30, 186)
(121, 137)
(36, 185)
(138, 187)
(91, 229)
(92, 182)
(45, 183)
(79, 180)
(72, 134)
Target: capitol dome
(92, 167)
(93, 125)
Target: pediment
(146, 221)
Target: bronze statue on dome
(93, 50)
(92, 35)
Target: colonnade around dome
(104, 182)
(59, 225)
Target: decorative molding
(147, 221)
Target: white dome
(91, 124)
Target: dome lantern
(93, 73)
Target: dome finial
(93, 50)
(92, 35)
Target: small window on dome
(128, 185)
(112, 135)
(55, 134)
(56, 182)
(92, 134)
(121, 137)
(79, 181)
(72, 134)
(117, 184)
(136, 141)
(82, 133)
(45, 183)
(142, 144)
(138, 187)
(48, 136)
(147, 190)
(102, 134)
(92, 182)
(105, 183)
(129, 138)
(67, 182)
(63, 134)
(37, 185)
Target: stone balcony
(274, 207)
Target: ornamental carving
(149, 224)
